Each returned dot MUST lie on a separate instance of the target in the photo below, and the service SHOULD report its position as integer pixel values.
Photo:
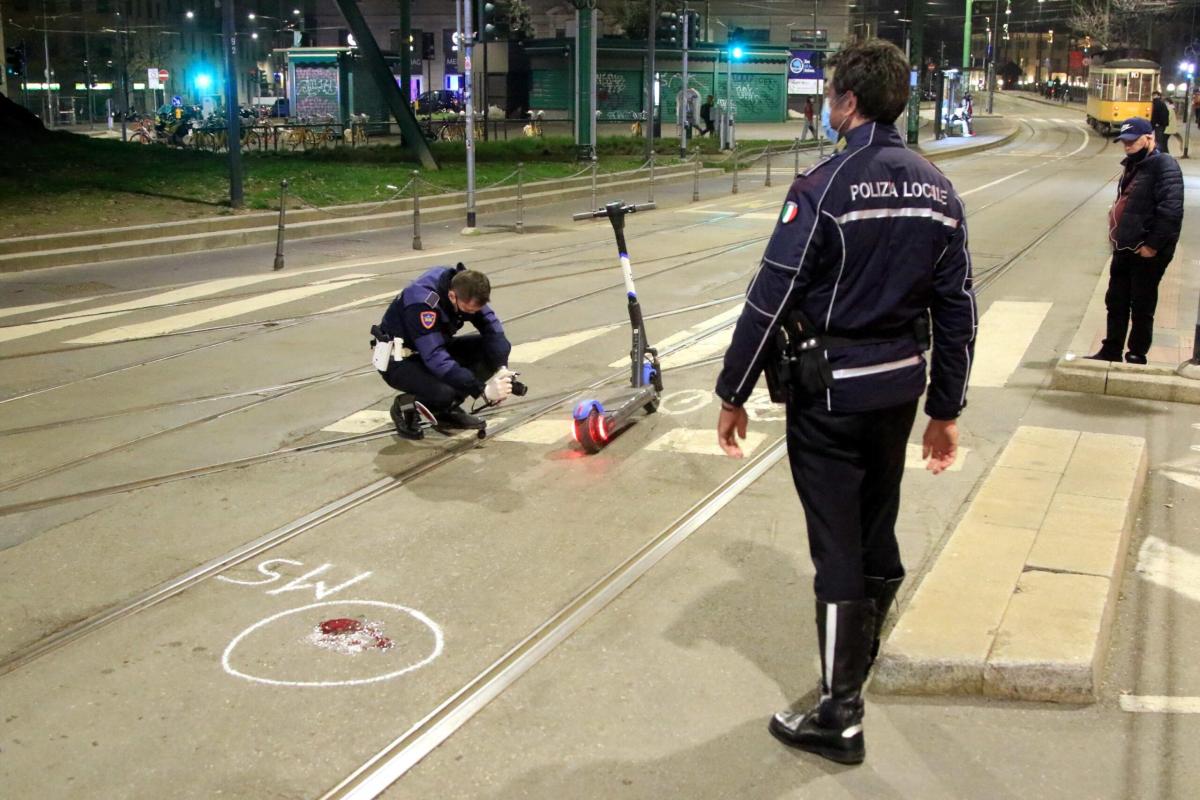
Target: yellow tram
(1119, 90)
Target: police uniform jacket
(1149, 207)
(425, 319)
(868, 240)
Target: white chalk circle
(684, 401)
(425, 623)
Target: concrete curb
(1074, 373)
(1020, 602)
(972, 149)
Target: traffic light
(666, 32)
(737, 50)
(428, 53)
(14, 60)
(485, 26)
(694, 33)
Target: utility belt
(798, 366)
(385, 348)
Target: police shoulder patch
(432, 299)
(790, 210)
(428, 319)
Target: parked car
(438, 100)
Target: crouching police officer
(871, 244)
(418, 352)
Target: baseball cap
(1133, 128)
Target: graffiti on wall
(317, 92)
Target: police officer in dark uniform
(426, 359)
(870, 247)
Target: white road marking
(539, 431)
(710, 346)
(1005, 333)
(1189, 479)
(771, 215)
(13, 311)
(362, 301)
(914, 460)
(1159, 704)
(701, 442)
(1169, 566)
(687, 353)
(205, 316)
(361, 422)
(531, 352)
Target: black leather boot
(457, 418)
(833, 728)
(404, 416)
(881, 591)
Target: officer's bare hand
(1147, 252)
(731, 426)
(940, 445)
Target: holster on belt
(796, 364)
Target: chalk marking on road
(1159, 704)
(204, 316)
(438, 646)
(1005, 332)
(1169, 566)
(531, 352)
(390, 764)
(360, 422)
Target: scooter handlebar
(603, 212)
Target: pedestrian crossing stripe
(1006, 330)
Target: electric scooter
(596, 422)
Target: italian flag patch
(790, 210)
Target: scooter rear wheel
(588, 433)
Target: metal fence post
(796, 162)
(594, 162)
(696, 179)
(520, 200)
(735, 168)
(283, 184)
(768, 154)
(416, 244)
(650, 193)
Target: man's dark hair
(877, 72)
(1156, 93)
(471, 286)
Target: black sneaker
(404, 416)
(1134, 358)
(457, 419)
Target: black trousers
(1160, 139)
(847, 469)
(1132, 296)
(412, 376)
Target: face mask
(831, 133)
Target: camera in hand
(518, 388)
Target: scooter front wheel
(590, 432)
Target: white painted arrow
(1169, 566)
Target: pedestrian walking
(706, 109)
(870, 245)
(1160, 118)
(809, 115)
(1143, 228)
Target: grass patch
(69, 182)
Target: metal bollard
(796, 154)
(594, 162)
(768, 154)
(417, 210)
(696, 179)
(650, 193)
(520, 200)
(735, 168)
(279, 240)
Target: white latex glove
(498, 387)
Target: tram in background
(1119, 90)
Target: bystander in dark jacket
(1160, 118)
(1143, 228)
